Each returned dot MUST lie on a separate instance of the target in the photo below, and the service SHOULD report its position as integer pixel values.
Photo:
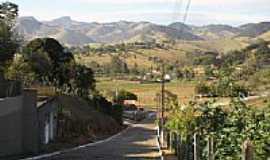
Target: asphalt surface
(138, 142)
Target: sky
(201, 12)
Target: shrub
(203, 89)
(106, 107)
(117, 113)
(125, 95)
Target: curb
(79, 147)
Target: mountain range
(74, 33)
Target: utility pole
(162, 105)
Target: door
(46, 133)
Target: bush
(106, 107)
(125, 95)
(103, 105)
(203, 89)
(117, 113)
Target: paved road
(137, 143)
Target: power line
(177, 10)
(186, 11)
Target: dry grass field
(147, 92)
(260, 102)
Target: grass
(260, 102)
(147, 92)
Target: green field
(146, 92)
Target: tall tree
(9, 41)
(118, 66)
(84, 81)
(49, 60)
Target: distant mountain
(210, 32)
(180, 26)
(74, 33)
(71, 37)
(254, 29)
(28, 25)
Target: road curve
(138, 142)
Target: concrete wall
(19, 125)
(30, 122)
(22, 123)
(11, 126)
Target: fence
(10, 89)
(192, 148)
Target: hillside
(86, 33)
(179, 53)
(254, 29)
(79, 110)
(74, 33)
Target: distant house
(130, 102)
(167, 77)
(199, 71)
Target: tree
(118, 66)
(84, 81)
(49, 60)
(21, 71)
(9, 41)
(125, 95)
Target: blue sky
(202, 12)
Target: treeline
(118, 48)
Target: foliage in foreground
(9, 41)
(229, 128)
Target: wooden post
(171, 141)
(179, 147)
(196, 147)
(210, 148)
(168, 137)
(248, 150)
(174, 143)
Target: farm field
(147, 92)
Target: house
(199, 71)
(130, 102)
(167, 77)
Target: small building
(167, 78)
(130, 102)
(199, 71)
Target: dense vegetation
(229, 127)
(9, 41)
